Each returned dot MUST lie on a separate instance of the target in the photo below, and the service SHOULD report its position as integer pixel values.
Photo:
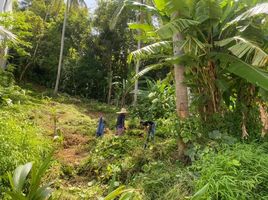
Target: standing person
(120, 123)
(150, 127)
(101, 126)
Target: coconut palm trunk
(181, 89)
(61, 47)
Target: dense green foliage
(205, 88)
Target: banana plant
(217, 42)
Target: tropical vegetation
(197, 68)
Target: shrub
(19, 142)
(239, 172)
(158, 101)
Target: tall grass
(240, 172)
(20, 141)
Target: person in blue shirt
(120, 123)
(101, 126)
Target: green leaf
(175, 26)
(127, 196)
(19, 176)
(200, 192)
(42, 193)
(115, 193)
(208, 10)
(37, 175)
(144, 27)
(244, 70)
(149, 50)
(216, 134)
(261, 8)
(148, 69)
(245, 47)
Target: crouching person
(150, 128)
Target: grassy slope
(86, 167)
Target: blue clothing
(100, 129)
(120, 121)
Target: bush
(163, 180)
(239, 172)
(19, 142)
(10, 93)
(158, 101)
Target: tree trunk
(5, 6)
(62, 47)
(110, 86)
(181, 90)
(137, 68)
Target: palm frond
(148, 69)
(261, 8)
(132, 5)
(149, 50)
(244, 70)
(245, 47)
(116, 14)
(175, 26)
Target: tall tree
(69, 3)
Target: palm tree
(69, 3)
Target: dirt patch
(74, 140)
(74, 149)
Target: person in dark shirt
(120, 123)
(150, 127)
(101, 127)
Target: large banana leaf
(148, 69)
(175, 26)
(261, 8)
(244, 70)
(208, 10)
(245, 47)
(149, 50)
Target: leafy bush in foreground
(239, 172)
(19, 142)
